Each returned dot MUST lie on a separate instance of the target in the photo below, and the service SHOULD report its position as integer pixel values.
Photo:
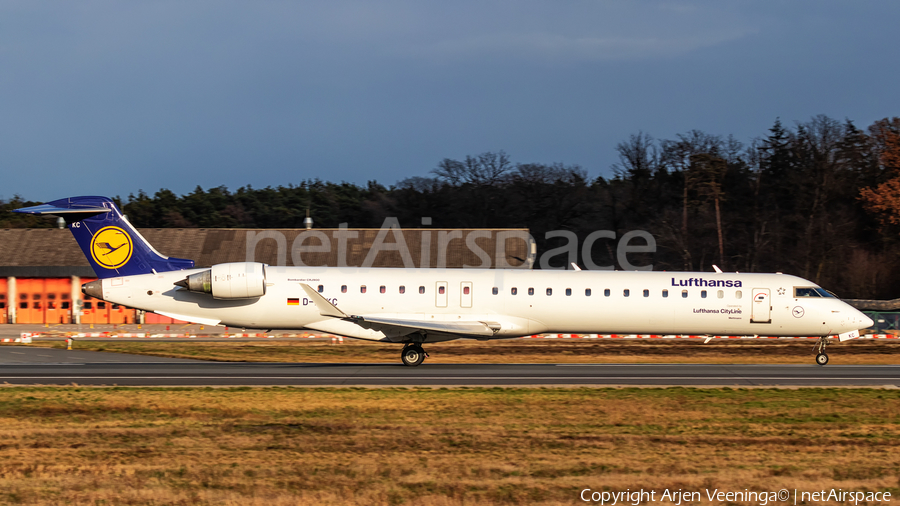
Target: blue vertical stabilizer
(112, 246)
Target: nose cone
(94, 289)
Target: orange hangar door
(120, 314)
(90, 313)
(31, 300)
(4, 301)
(56, 295)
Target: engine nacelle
(234, 280)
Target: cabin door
(440, 294)
(762, 307)
(465, 294)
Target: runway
(21, 365)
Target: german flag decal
(293, 302)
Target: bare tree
(486, 169)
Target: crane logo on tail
(111, 247)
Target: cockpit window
(811, 292)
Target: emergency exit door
(465, 294)
(440, 294)
(762, 307)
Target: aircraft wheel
(821, 359)
(412, 355)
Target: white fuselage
(521, 302)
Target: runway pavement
(21, 365)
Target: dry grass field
(473, 446)
(731, 351)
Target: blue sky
(102, 97)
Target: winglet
(325, 308)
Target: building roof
(31, 252)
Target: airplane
(418, 306)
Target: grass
(798, 351)
(278, 446)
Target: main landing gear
(821, 357)
(413, 354)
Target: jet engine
(234, 280)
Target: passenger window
(513, 290)
(343, 288)
(587, 292)
(568, 292)
(51, 296)
(23, 305)
(36, 305)
(441, 290)
(702, 294)
(606, 292)
(115, 306)
(51, 304)
(665, 293)
(65, 296)
(421, 289)
(737, 294)
(101, 305)
(402, 289)
(495, 290)
(531, 291)
(549, 291)
(383, 289)
(684, 294)
(2, 305)
(465, 290)
(88, 305)
(23, 296)
(626, 292)
(646, 293)
(720, 294)
(36, 296)
(321, 288)
(362, 288)
(65, 305)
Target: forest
(819, 199)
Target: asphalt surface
(21, 365)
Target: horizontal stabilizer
(70, 209)
(48, 209)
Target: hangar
(41, 270)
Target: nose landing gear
(821, 357)
(412, 354)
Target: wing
(375, 322)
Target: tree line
(819, 199)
